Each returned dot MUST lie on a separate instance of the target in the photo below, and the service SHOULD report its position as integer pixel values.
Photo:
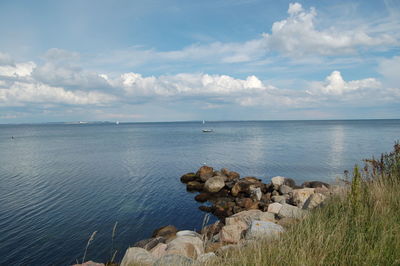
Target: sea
(60, 183)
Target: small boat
(207, 130)
(117, 123)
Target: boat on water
(207, 130)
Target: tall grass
(361, 227)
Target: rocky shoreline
(248, 211)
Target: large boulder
(274, 208)
(263, 229)
(137, 256)
(301, 195)
(247, 217)
(231, 233)
(173, 260)
(159, 250)
(290, 211)
(233, 175)
(313, 201)
(206, 257)
(167, 232)
(277, 181)
(187, 246)
(244, 186)
(89, 263)
(280, 199)
(256, 194)
(188, 177)
(214, 184)
(285, 189)
(204, 173)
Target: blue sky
(191, 60)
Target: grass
(361, 227)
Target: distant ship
(117, 123)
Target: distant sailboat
(117, 123)
(206, 130)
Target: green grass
(360, 227)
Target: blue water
(60, 183)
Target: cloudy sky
(175, 60)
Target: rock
(244, 186)
(287, 222)
(231, 233)
(251, 179)
(313, 201)
(233, 175)
(274, 208)
(149, 243)
(247, 217)
(137, 256)
(214, 184)
(159, 250)
(188, 233)
(202, 197)
(206, 257)
(289, 182)
(256, 194)
(194, 186)
(213, 246)
(290, 211)
(206, 208)
(314, 184)
(263, 229)
(285, 189)
(301, 195)
(89, 263)
(225, 250)
(173, 260)
(187, 246)
(274, 193)
(167, 232)
(225, 171)
(204, 173)
(279, 199)
(188, 177)
(210, 230)
(277, 181)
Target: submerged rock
(188, 177)
(194, 186)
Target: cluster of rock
(228, 194)
(247, 208)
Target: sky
(175, 60)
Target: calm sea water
(60, 183)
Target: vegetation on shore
(361, 227)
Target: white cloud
(298, 36)
(336, 85)
(17, 70)
(22, 92)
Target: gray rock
(279, 199)
(290, 211)
(301, 195)
(204, 258)
(262, 229)
(314, 201)
(138, 256)
(187, 246)
(214, 184)
(173, 260)
(285, 189)
(256, 194)
(274, 208)
(277, 181)
(188, 233)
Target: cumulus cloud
(390, 70)
(297, 36)
(336, 85)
